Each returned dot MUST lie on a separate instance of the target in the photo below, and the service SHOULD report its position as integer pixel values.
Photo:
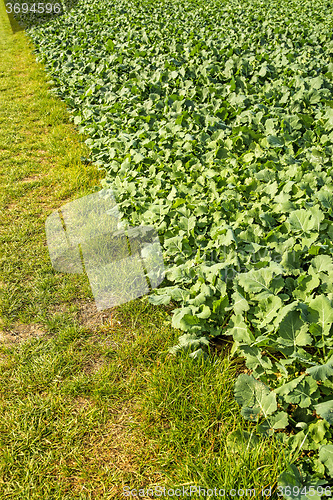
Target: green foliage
(255, 397)
(214, 123)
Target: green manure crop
(214, 122)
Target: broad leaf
(326, 457)
(299, 391)
(321, 372)
(325, 410)
(254, 397)
(301, 221)
(293, 331)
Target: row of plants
(214, 122)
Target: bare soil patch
(21, 332)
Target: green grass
(91, 402)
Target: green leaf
(326, 457)
(321, 311)
(293, 331)
(305, 285)
(159, 299)
(254, 358)
(204, 313)
(254, 397)
(240, 330)
(199, 354)
(290, 477)
(184, 319)
(279, 420)
(321, 372)
(325, 196)
(256, 281)
(275, 142)
(325, 410)
(318, 431)
(269, 308)
(301, 221)
(189, 342)
(299, 391)
(321, 263)
(294, 486)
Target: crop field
(214, 123)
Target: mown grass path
(40, 170)
(90, 403)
